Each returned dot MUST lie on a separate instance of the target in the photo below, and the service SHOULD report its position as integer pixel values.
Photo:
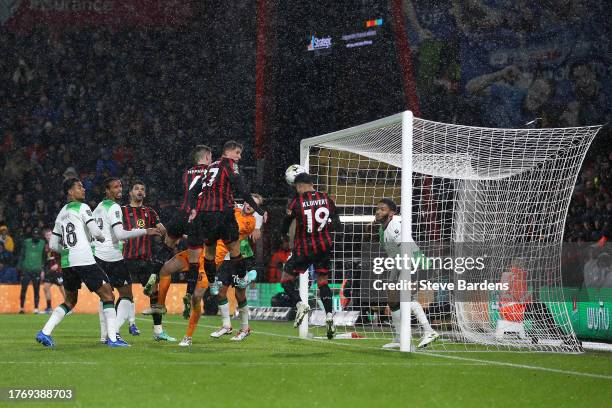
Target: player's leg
(36, 286)
(196, 311)
(25, 281)
(72, 283)
(96, 280)
(47, 292)
(295, 266)
(224, 309)
(321, 265)
(243, 313)
(429, 334)
(176, 264)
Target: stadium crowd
(95, 103)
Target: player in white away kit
(390, 238)
(109, 253)
(72, 236)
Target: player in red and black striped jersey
(190, 201)
(216, 221)
(53, 271)
(314, 213)
(138, 253)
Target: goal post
(500, 193)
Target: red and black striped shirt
(217, 194)
(138, 217)
(313, 212)
(192, 179)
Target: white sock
(111, 322)
(396, 318)
(157, 329)
(56, 317)
(103, 333)
(132, 317)
(244, 317)
(123, 312)
(225, 316)
(417, 309)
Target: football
(293, 171)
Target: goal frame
(406, 120)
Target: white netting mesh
(503, 191)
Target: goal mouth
(468, 186)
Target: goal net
(498, 196)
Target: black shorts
(54, 278)
(140, 270)
(227, 278)
(297, 264)
(179, 225)
(219, 225)
(195, 235)
(116, 271)
(91, 275)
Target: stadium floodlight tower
(463, 191)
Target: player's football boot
(302, 311)
(223, 331)
(148, 288)
(215, 286)
(187, 304)
(186, 342)
(45, 340)
(155, 309)
(244, 282)
(103, 339)
(428, 337)
(242, 334)
(163, 336)
(119, 343)
(329, 325)
(134, 331)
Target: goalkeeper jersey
(71, 229)
(108, 214)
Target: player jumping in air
(138, 253)
(74, 227)
(217, 221)
(246, 224)
(313, 211)
(109, 253)
(182, 222)
(390, 238)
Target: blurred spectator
(30, 266)
(6, 240)
(278, 261)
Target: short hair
(199, 152)
(231, 145)
(69, 183)
(303, 178)
(137, 181)
(389, 203)
(257, 197)
(109, 180)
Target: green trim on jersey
(381, 234)
(65, 259)
(107, 204)
(74, 206)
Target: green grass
(272, 368)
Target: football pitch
(273, 368)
